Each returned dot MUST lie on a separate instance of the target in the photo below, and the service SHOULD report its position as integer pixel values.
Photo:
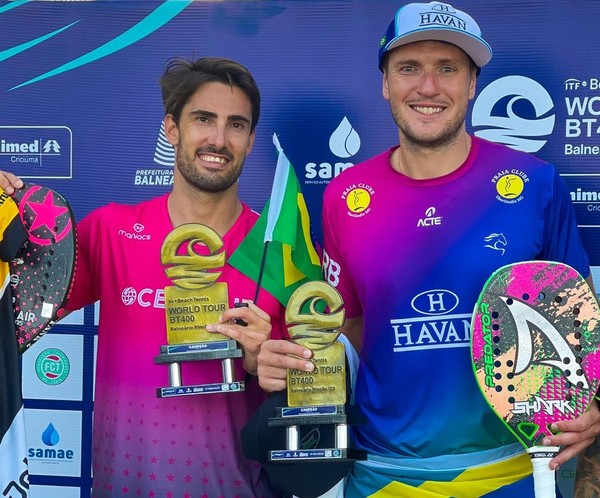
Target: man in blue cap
(407, 243)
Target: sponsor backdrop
(82, 113)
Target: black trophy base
(220, 387)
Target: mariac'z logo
(524, 316)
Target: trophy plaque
(195, 300)
(317, 397)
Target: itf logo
(344, 142)
(515, 111)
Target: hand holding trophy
(317, 397)
(195, 300)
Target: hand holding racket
(42, 271)
(535, 348)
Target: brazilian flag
(283, 230)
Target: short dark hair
(182, 77)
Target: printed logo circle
(358, 200)
(128, 296)
(52, 366)
(510, 186)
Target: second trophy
(195, 300)
(314, 315)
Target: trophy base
(198, 351)
(174, 354)
(219, 387)
(323, 454)
(309, 415)
(333, 415)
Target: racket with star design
(535, 350)
(42, 271)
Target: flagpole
(261, 271)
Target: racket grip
(544, 479)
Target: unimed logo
(36, 151)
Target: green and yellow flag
(278, 252)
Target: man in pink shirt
(180, 446)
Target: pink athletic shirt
(186, 446)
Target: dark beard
(216, 183)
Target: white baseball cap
(435, 21)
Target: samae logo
(344, 142)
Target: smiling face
(429, 85)
(213, 137)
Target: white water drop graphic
(344, 141)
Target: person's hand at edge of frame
(10, 182)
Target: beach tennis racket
(41, 274)
(535, 351)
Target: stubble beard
(446, 137)
(206, 182)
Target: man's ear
(171, 130)
(384, 86)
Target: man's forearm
(587, 477)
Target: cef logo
(52, 366)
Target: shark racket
(536, 353)
(42, 271)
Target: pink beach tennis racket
(535, 350)
(42, 271)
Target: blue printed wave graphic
(153, 21)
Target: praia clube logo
(344, 142)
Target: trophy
(195, 300)
(317, 397)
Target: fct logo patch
(52, 366)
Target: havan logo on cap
(443, 17)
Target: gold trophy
(317, 397)
(195, 300)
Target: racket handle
(544, 479)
